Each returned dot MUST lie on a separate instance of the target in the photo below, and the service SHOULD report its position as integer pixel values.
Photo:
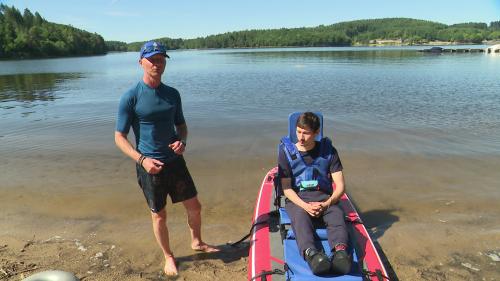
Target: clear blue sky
(138, 20)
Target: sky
(137, 20)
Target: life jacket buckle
(308, 185)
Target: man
(307, 170)
(154, 111)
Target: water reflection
(28, 90)
(434, 103)
(364, 56)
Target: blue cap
(152, 48)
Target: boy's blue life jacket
(314, 176)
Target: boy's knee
(302, 214)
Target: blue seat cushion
(298, 269)
(284, 218)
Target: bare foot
(170, 268)
(205, 248)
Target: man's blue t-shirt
(153, 115)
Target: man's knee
(159, 217)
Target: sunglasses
(160, 60)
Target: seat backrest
(292, 134)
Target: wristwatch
(183, 142)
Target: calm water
(384, 98)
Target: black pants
(303, 224)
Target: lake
(446, 103)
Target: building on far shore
(493, 49)
(386, 42)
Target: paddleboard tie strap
(262, 275)
(266, 221)
(249, 233)
(378, 273)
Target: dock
(493, 49)
(439, 50)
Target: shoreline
(434, 43)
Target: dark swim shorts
(174, 180)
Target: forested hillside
(360, 32)
(29, 35)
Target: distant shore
(379, 43)
(386, 42)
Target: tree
(38, 20)
(28, 18)
(28, 35)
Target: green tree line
(359, 32)
(28, 35)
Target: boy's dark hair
(309, 120)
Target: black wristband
(141, 159)
(183, 142)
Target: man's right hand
(152, 166)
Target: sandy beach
(434, 218)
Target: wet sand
(435, 217)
